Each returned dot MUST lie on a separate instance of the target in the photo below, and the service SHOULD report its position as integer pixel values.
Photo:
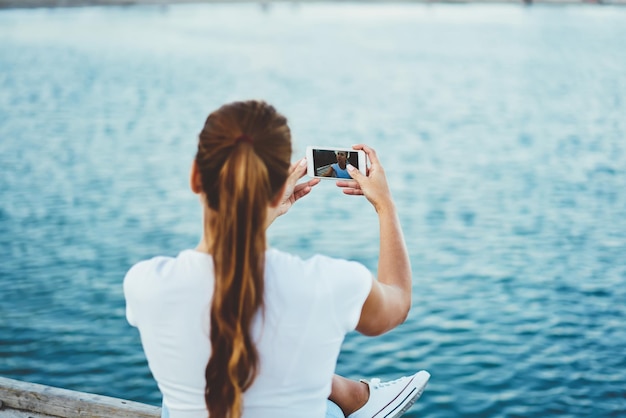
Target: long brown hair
(243, 160)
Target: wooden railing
(56, 402)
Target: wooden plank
(15, 413)
(57, 402)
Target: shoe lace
(376, 383)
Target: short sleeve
(349, 284)
(130, 291)
(130, 317)
(136, 289)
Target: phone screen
(333, 162)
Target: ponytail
(240, 177)
(238, 232)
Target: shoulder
(277, 261)
(341, 284)
(146, 271)
(154, 277)
(277, 257)
(141, 284)
(153, 286)
(319, 266)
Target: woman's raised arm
(389, 301)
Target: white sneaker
(394, 398)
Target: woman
(340, 168)
(236, 329)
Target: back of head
(243, 158)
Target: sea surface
(502, 129)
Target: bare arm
(389, 301)
(329, 173)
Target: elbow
(379, 330)
(405, 315)
(387, 307)
(383, 327)
(402, 313)
(403, 306)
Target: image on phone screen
(333, 163)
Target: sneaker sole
(407, 402)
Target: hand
(373, 186)
(293, 191)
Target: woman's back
(309, 305)
(235, 330)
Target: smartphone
(331, 162)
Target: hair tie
(243, 138)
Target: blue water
(502, 129)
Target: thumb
(355, 174)
(298, 170)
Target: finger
(353, 192)
(300, 168)
(294, 166)
(303, 189)
(300, 187)
(297, 171)
(371, 153)
(348, 183)
(355, 174)
(301, 192)
(313, 182)
(310, 183)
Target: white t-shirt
(309, 307)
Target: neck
(204, 246)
